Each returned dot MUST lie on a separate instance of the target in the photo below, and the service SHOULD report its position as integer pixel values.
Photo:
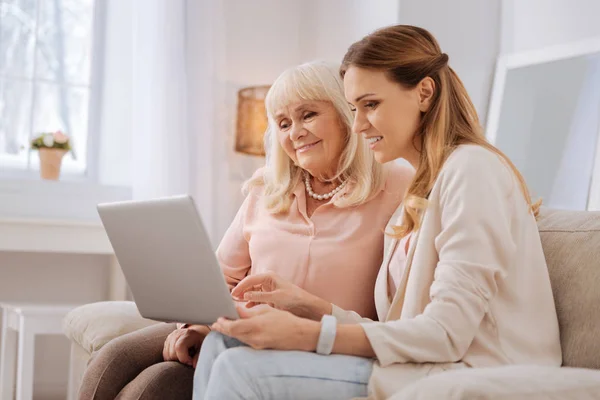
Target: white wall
(469, 32)
(534, 24)
(330, 27)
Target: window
(46, 70)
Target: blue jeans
(227, 369)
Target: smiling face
(387, 114)
(312, 135)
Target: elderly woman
(314, 215)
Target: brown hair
(408, 54)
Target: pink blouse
(335, 254)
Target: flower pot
(50, 162)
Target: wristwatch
(327, 334)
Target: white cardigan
(475, 291)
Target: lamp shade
(251, 120)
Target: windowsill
(73, 201)
(53, 236)
(55, 216)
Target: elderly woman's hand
(264, 327)
(183, 344)
(275, 291)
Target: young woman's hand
(271, 289)
(264, 327)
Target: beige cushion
(571, 241)
(93, 325)
(507, 383)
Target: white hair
(314, 81)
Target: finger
(168, 345)
(260, 297)
(257, 288)
(248, 283)
(182, 350)
(246, 313)
(251, 304)
(221, 326)
(216, 327)
(165, 347)
(231, 328)
(172, 354)
(240, 329)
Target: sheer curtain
(160, 134)
(177, 56)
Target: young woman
(463, 284)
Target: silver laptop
(167, 259)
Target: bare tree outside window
(45, 65)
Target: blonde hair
(408, 54)
(314, 81)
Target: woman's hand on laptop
(183, 344)
(269, 288)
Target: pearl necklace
(325, 196)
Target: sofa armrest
(93, 325)
(78, 362)
(507, 383)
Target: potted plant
(52, 147)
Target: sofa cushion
(507, 383)
(571, 241)
(93, 325)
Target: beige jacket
(475, 291)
